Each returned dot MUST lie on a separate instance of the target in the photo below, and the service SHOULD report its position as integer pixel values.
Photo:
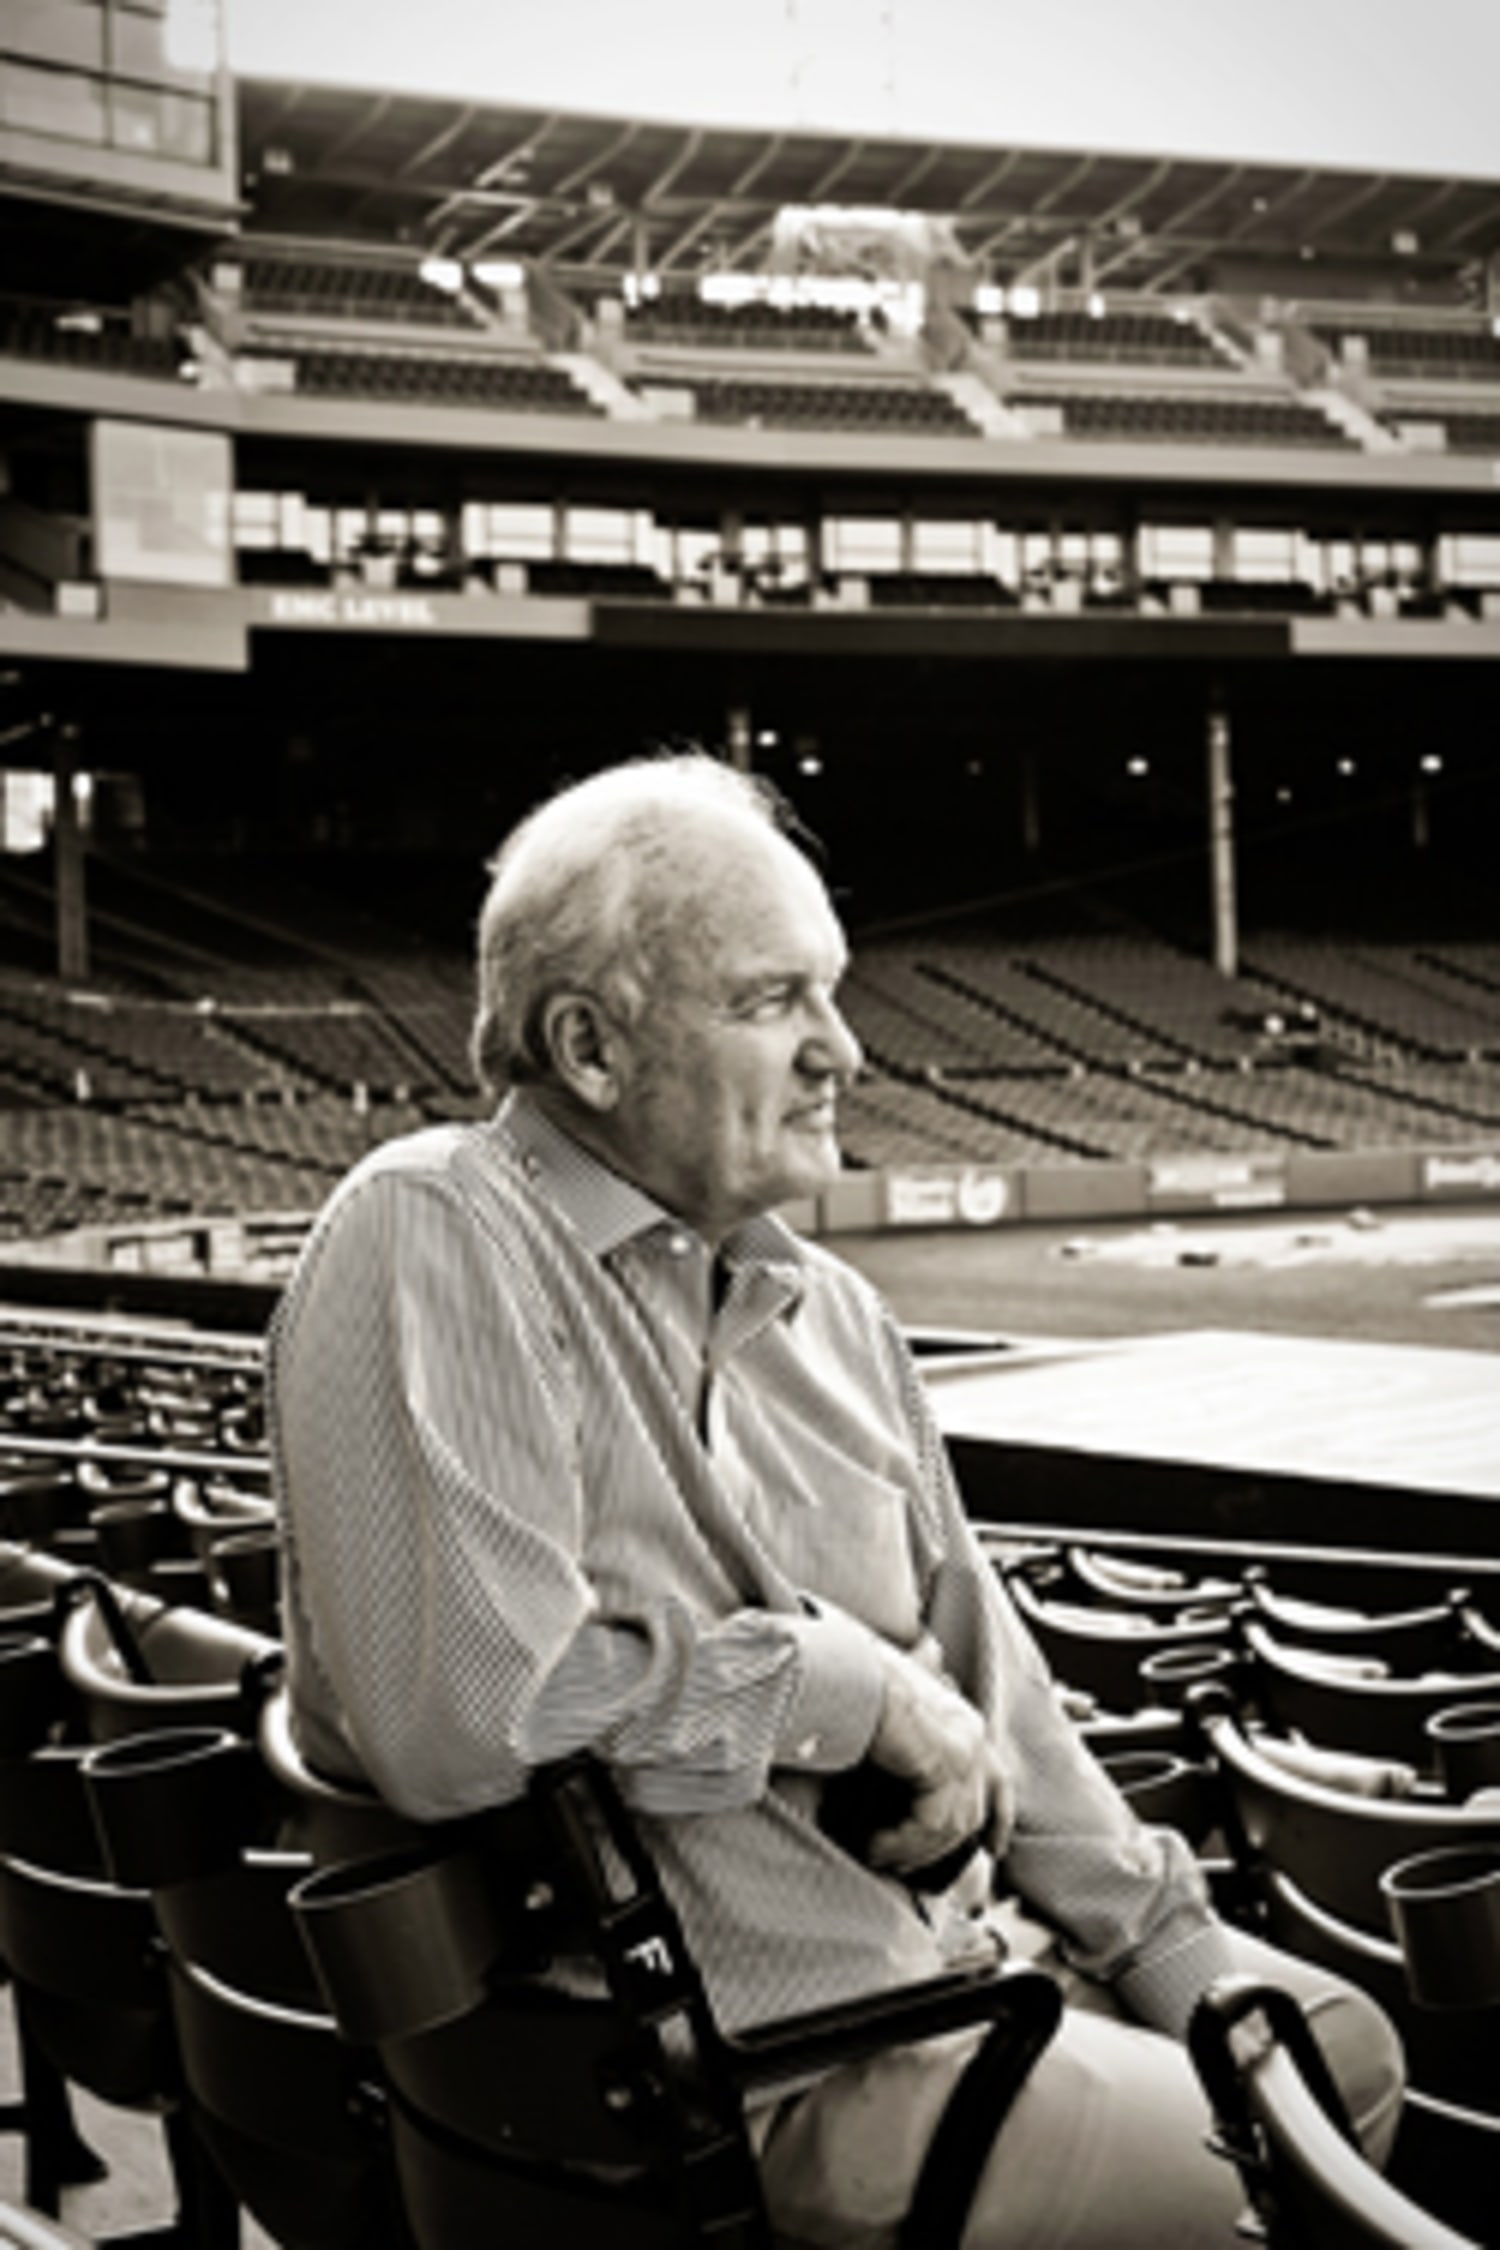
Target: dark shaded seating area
(504, 386)
(875, 406)
(234, 1054)
(677, 317)
(1175, 420)
(1153, 338)
(83, 336)
(1408, 349)
(351, 289)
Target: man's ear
(582, 1042)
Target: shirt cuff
(831, 1720)
(1163, 1988)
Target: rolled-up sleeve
(1128, 1900)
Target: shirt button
(809, 1747)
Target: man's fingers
(938, 1820)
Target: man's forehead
(756, 905)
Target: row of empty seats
(872, 405)
(329, 288)
(84, 336)
(1151, 338)
(680, 318)
(504, 385)
(1169, 418)
(1410, 350)
(1312, 1724)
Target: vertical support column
(1031, 804)
(737, 736)
(1221, 843)
(67, 858)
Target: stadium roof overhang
(605, 196)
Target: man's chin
(816, 1166)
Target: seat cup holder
(400, 1943)
(33, 1692)
(248, 1563)
(1161, 1788)
(1466, 1740)
(132, 1534)
(1444, 1907)
(172, 1805)
(1169, 1672)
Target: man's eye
(771, 1000)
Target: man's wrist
(835, 1709)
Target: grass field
(1392, 1276)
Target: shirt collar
(606, 1210)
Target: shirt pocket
(843, 1535)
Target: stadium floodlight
(499, 273)
(1432, 762)
(1024, 300)
(1096, 306)
(989, 298)
(810, 763)
(1347, 767)
(442, 273)
(1138, 768)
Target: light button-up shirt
(548, 1483)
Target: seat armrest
(798, 2047)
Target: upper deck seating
(83, 336)
(681, 318)
(351, 289)
(1172, 419)
(884, 406)
(1461, 354)
(1472, 432)
(1129, 336)
(500, 385)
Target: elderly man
(580, 1446)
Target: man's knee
(1364, 2052)
(1360, 2044)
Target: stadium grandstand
(1101, 552)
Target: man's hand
(933, 1738)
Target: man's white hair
(586, 893)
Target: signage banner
(1462, 1171)
(948, 1195)
(1222, 1183)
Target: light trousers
(1105, 2147)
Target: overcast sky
(1413, 85)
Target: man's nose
(831, 1049)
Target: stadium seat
(523, 2106)
(1100, 1651)
(1280, 2121)
(89, 1994)
(1346, 1702)
(134, 1664)
(1315, 1818)
(1412, 1640)
(291, 2114)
